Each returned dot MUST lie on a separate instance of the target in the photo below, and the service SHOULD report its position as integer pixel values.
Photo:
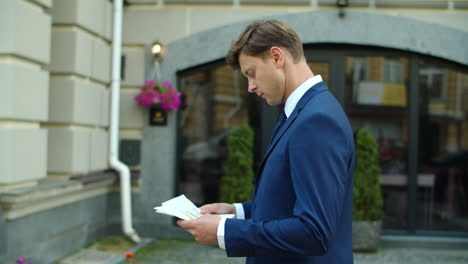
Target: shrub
(237, 182)
(367, 200)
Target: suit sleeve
(319, 153)
(247, 207)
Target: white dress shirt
(289, 106)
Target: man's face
(265, 77)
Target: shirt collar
(295, 96)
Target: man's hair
(259, 36)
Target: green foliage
(237, 182)
(367, 200)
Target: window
(432, 80)
(377, 99)
(443, 148)
(373, 84)
(377, 80)
(216, 101)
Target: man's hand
(203, 229)
(218, 208)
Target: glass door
(376, 98)
(443, 147)
(217, 101)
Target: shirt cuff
(239, 211)
(220, 233)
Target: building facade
(399, 68)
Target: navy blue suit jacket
(301, 210)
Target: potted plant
(152, 93)
(237, 182)
(367, 196)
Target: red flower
(129, 255)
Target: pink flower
(151, 92)
(167, 84)
(170, 100)
(149, 83)
(21, 260)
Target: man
(301, 209)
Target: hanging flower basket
(153, 93)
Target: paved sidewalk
(181, 252)
(413, 256)
(112, 251)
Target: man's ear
(278, 55)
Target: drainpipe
(121, 168)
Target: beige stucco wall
(55, 60)
(24, 85)
(79, 87)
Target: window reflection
(377, 81)
(432, 79)
(443, 147)
(376, 91)
(216, 102)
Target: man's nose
(252, 87)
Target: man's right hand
(218, 208)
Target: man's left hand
(204, 229)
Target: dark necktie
(279, 124)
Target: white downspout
(122, 169)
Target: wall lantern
(157, 49)
(342, 4)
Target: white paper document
(182, 208)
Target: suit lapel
(302, 102)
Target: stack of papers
(182, 208)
